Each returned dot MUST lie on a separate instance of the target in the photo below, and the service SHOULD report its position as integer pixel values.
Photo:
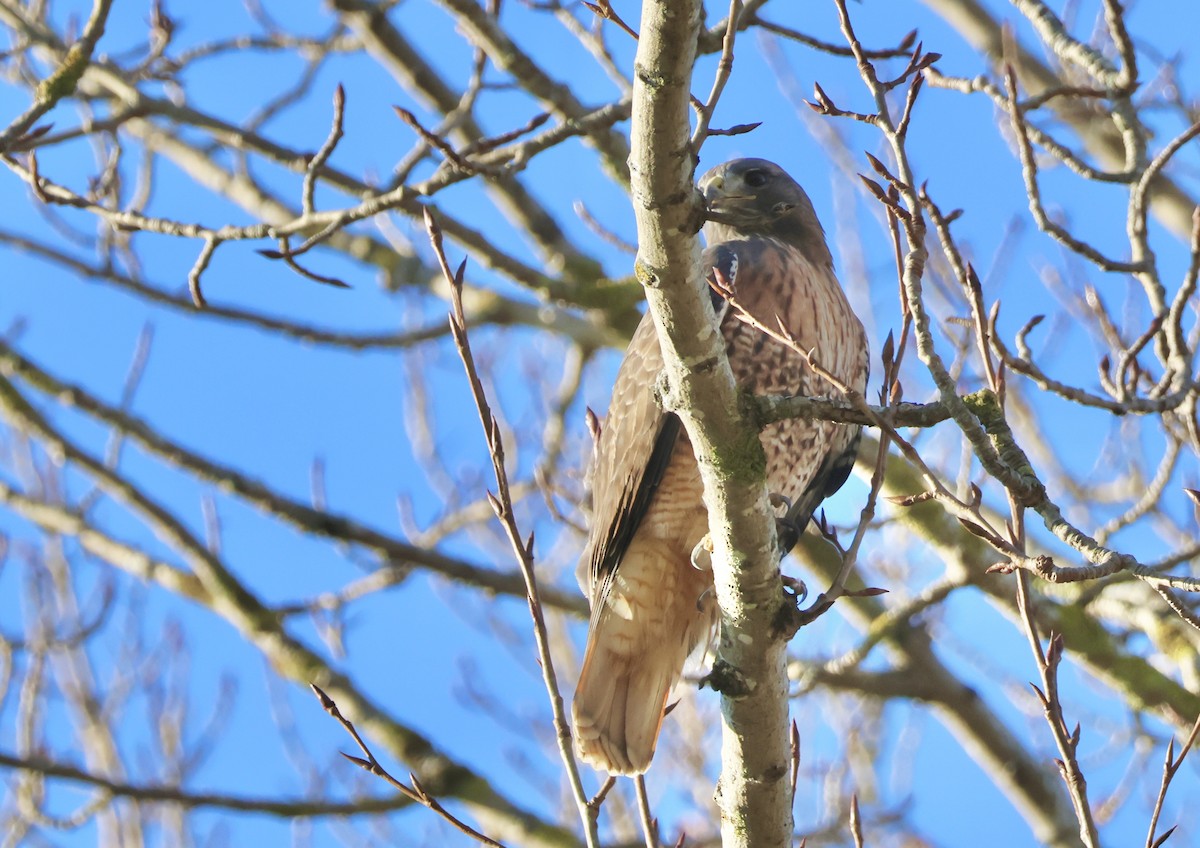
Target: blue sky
(272, 406)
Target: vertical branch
(750, 670)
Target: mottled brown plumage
(651, 606)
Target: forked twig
(368, 763)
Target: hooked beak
(712, 186)
(720, 205)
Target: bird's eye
(756, 178)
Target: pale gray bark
(754, 791)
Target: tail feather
(652, 616)
(618, 708)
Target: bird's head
(754, 197)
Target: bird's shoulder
(755, 255)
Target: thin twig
(649, 822)
(211, 243)
(1171, 766)
(522, 547)
(1066, 740)
(309, 186)
(724, 68)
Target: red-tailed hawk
(651, 605)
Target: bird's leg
(786, 530)
(794, 589)
(702, 554)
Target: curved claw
(798, 587)
(777, 500)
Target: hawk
(652, 605)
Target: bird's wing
(634, 448)
(632, 452)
